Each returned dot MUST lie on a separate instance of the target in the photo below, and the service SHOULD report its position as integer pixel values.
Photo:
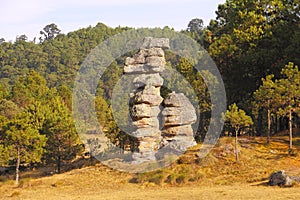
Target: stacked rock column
(146, 99)
(179, 115)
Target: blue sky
(28, 17)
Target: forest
(255, 45)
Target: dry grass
(215, 177)
(257, 162)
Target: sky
(29, 17)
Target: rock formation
(145, 99)
(146, 108)
(179, 115)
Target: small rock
(280, 179)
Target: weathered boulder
(147, 132)
(151, 90)
(184, 118)
(156, 62)
(148, 79)
(149, 95)
(149, 144)
(182, 143)
(155, 52)
(147, 122)
(178, 114)
(143, 69)
(178, 111)
(154, 100)
(172, 131)
(150, 42)
(178, 100)
(280, 179)
(129, 61)
(144, 54)
(143, 110)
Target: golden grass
(217, 176)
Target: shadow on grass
(40, 171)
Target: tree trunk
(18, 165)
(277, 123)
(291, 132)
(269, 126)
(58, 163)
(58, 159)
(236, 146)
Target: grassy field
(215, 177)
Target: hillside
(219, 177)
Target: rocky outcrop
(146, 105)
(145, 99)
(179, 115)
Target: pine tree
(266, 97)
(25, 143)
(238, 120)
(288, 88)
(63, 143)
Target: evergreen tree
(288, 88)
(238, 120)
(63, 143)
(266, 98)
(24, 142)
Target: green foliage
(238, 120)
(28, 89)
(265, 96)
(237, 117)
(281, 96)
(49, 32)
(288, 88)
(62, 141)
(3, 92)
(24, 142)
(266, 101)
(4, 153)
(247, 42)
(24, 139)
(8, 109)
